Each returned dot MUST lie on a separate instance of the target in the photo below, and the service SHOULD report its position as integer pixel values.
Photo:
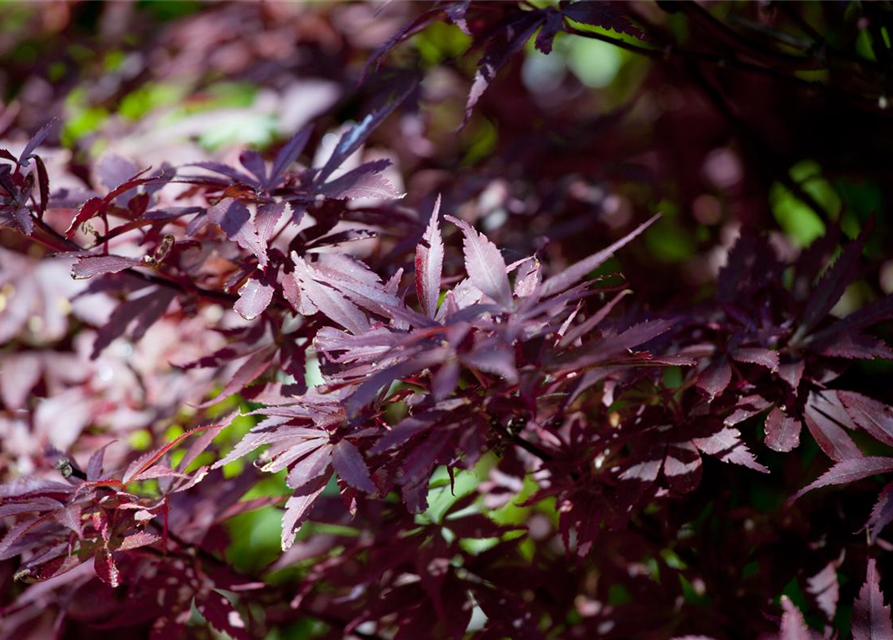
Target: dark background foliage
(274, 215)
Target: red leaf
(137, 540)
(220, 614)
(106, 570)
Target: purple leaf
(297, 509)
(254, 162)
(35, 141)
(727, 446)
(91, 266)
(824, 419)
(225, 170)
(870, 314)
(831, 286)
(254, 297)
(792, 373)
(793, 626)
(876, 418)
(349, 463)
(429, 264)
(552, 26)
(493, 359)
(573, 274)
(310, 467)
(747, 407)
(365, 181)
(848, 471)
(99, 206)
(23, 219)
(881, 514)
(485, 265)
(372, 385)
(354, 138)
(825, 588)
(288, 154)
(94, 465)
(715, 378)
(508, 41)
(267, 218)
(203, 441)
(235, 220)
(755, 355)
(529, 277)
(782, 431)
(251, 370)
(871, 618)
(403, 432)
(70, 517)
(329, 302)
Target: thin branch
(727, 62)
(60, 243)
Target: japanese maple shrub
(462, 444)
